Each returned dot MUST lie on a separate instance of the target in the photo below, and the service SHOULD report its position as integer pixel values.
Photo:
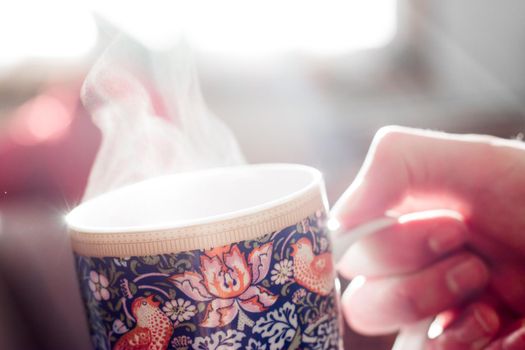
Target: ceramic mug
(230, 258)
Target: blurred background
(304, 83)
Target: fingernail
(444, 241)
(477, 327)
(515, 341)
(466, 276)
(488, 321)
(488, 324)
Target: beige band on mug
(202, 236)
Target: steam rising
(140, 141)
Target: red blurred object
(47, 147)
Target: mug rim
(315, 182)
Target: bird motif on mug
(153, 330)
(313, 272)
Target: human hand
(465, 264)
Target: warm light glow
(435, 329)
(430, 214)
(43, 118)
(356, 283)
(65, 29)
(51, 120)
(44, 29)
(337, 286)
(241, 28)
(333, 224)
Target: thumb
(405, 162)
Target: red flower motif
(228, 281)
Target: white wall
(476, 49)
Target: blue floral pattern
(273, 292)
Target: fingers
(473, 329)
(404, 247)
(515, 340)
(508, 282)
(507, 268)
(383, 305)
(403, 160)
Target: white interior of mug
(192, 198)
